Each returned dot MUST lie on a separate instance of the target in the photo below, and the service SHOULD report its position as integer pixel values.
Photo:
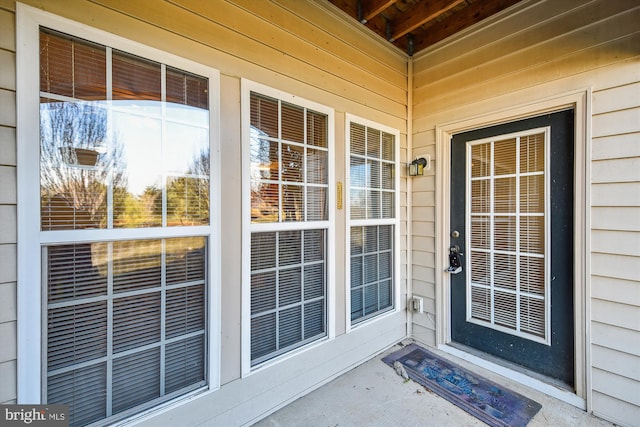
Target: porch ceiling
(413, 25)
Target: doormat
(482, 398)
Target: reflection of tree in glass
(188, 197)
(76, 166)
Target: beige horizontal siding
(545, 49)
(616, 362)
(8, 220)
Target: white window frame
(31, 298)
(350, 118)
(547, 235)
(247, 87)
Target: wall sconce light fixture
(417, 166)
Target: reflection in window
(118, 156)
(124, 143)
(289, 162)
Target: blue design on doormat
(482, 398)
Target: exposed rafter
(413, 25)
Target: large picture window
(289, 157)
(373, 219)
(125, 225)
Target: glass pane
(136, 78)
(185, 310)
(185, 364)
(504, 309)
(264, 115)
(480, 232)
(504, 154)
(373, 205)
(388, 204)
(136, 265)
(264, 202)
(313, 245)
(388, 146)
(186, 149)
(504, 233)
(356, 240)
(84, 407)
(292, 163)
(79, 330)
(357, 309)
(316, 203)
(313, 319)
(356, 271)
(185, 260)
(313, 281)
(187, 201)
(480, 196)
(388, 176)
(290, 286)
(357, 142)
(532, 234)
(480, 268)
(532, 153)
(385, 237)
(73, 172)
(263, 254)
(373, 174)
(374, 142)
(504, 198)
(292, 123)
(370, 239)
(136, 379)
(289, 247)
(317, 129)
(532, 194)
(290, 326)
(532, 274)
(384, 265)
(264, 158)
(357, 173)
(73, 272)
(136, 321)
(72, 68)
(187, 89)
(317, 166)
(263, 335)
(481, 160)
(370, 268)
(292, 203)
(263, 292)
(480, 304)
(504, 270)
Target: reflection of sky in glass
(134, 139)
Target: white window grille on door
(507, 234)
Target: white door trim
(580, 101)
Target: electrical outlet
(417, 305)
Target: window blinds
(289, 157)
(126, 319)
(507, 234)
(372, 200)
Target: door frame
(580, 101)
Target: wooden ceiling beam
(373, 8)
(460, 20)
(419, 15)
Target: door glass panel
(507, 225)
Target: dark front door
(512, 219)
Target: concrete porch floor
(373, 395)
